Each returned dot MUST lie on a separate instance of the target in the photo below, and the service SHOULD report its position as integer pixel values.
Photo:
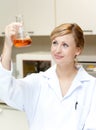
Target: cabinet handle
(30, 32)
(90, 31)
(3, 33)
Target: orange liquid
(22, 42)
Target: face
(64, 50)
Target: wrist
(8, 42)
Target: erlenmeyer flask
(22, 38)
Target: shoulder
(86, 80)
(36, 77)
(85, 75)
(51, 72)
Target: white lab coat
(39, 95)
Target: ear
(78, 51)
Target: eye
(54, 42)
(65, 45)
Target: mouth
(58, 56)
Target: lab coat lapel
(81, 77)
(54, 84)
(53, 81)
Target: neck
(66, 71)
(65, 76)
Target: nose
(58, 49)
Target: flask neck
(19, 18)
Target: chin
(59, 63)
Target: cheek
(52, 52)
(52, 49)
(71, 54)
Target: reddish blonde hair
(67, 28)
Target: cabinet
(81, 12)
(38, 15)
(11, 119)
(41, 16)
(8, 10)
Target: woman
(61, 98)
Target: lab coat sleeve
(22, 93)
(90, 123)
(10, 89)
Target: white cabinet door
(38, 15)
(8, 10)
(11, 119)
(82, 12)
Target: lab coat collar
(81, 77)
(82, 74)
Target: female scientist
(61, 98)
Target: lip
(58, 56)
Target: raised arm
(10, 33)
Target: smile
(58, 56)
